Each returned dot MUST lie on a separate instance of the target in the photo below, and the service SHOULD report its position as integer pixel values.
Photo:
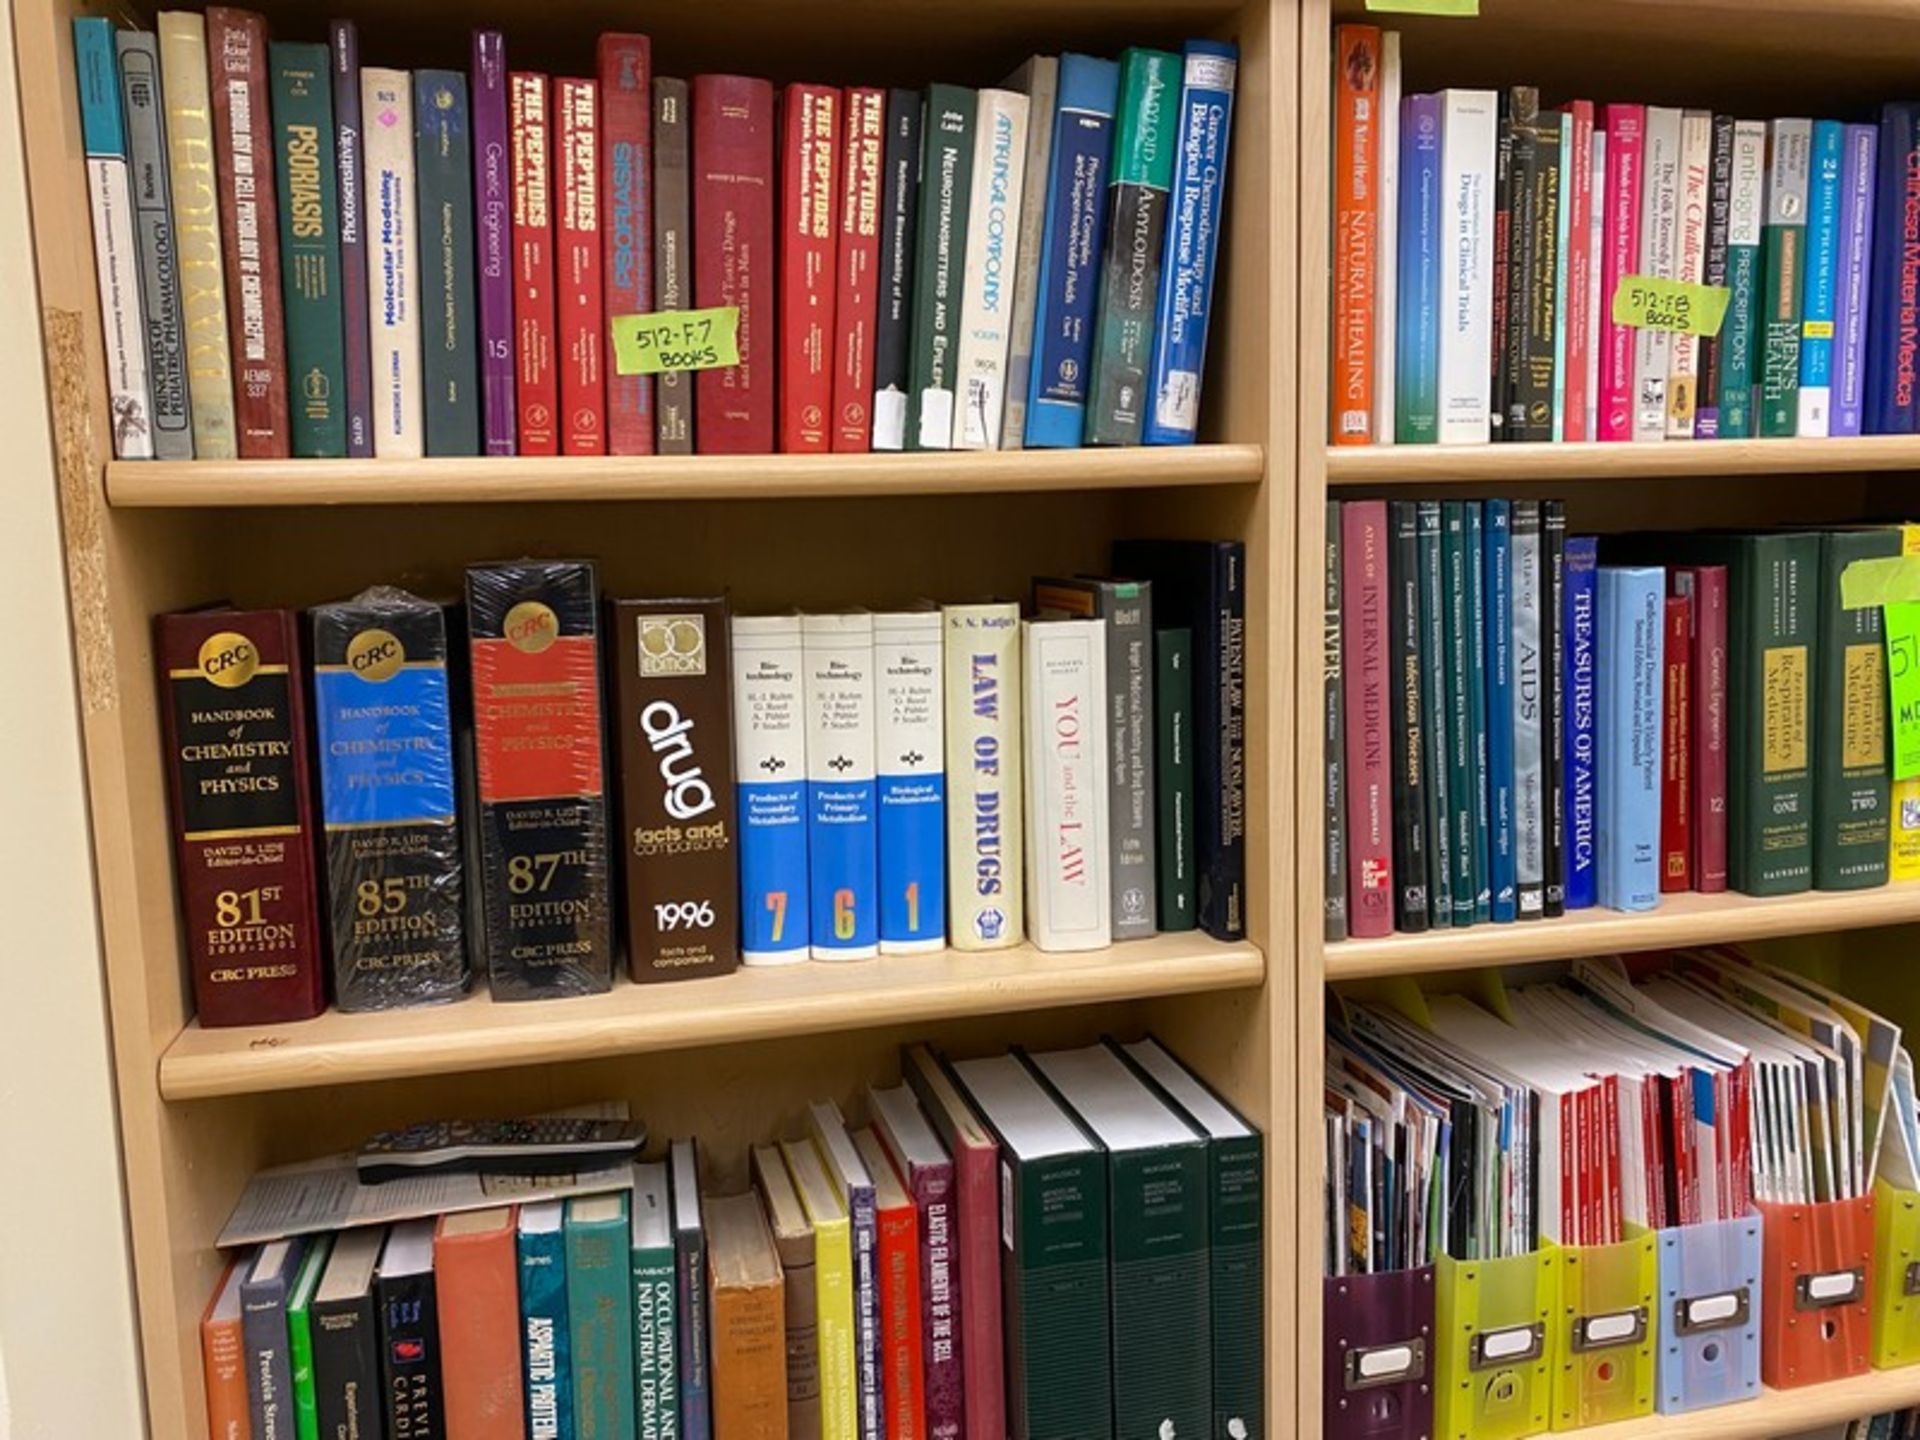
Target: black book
(410, 1334)
(1202, 585)
(1706, 413)
(1403, 692)
(449, 356)
(893, 320)
(1553, 555)
(1502, 280)
(1432, 682)
(346, 1338)
(1538, 294)
(690, 1276)
(1333, 742)
(1523, 116)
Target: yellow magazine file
(1896, 1276)
(1903, 858)
(1604, 1324)
(1493, 1370)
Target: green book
(1852, 779)
(1435, 755)
(1479, 772)
(656, 1395)
(1173, 839)
(306, 1404)
(443, 182)
(1461, 771)
(1057, 1326)
(939, 264)
(1782, 279)
(1142, 174)
(1746, 215)
(600, 1316)
(310, 248)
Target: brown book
(749, 1333)
(478, 1298)
(672, 261)
(249, 228)
(223, 1355)
(793, 1239)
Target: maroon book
(1676, 747)
(1363, 626)
(1707, 584)
(626, 199)
(580, 325)
(249, 228)
(236, 733)
(734, 258)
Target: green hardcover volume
(306, 1404)
(1852, 780)
(1143, 146)
(1436, 759)
(443, 180)
(310, 248)
(1173, 776)
(1783, 276)
(939, 264)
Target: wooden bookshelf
(1370, 467)
(1776, 1413)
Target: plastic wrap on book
(1816, 1291)
(1377, 1356)
(1606, 1340)
(1896, 1276)
(1709, 1314)
(1493, 1371)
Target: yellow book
(1904, 845)
(833, 1286)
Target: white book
(1659, 259)
(1469, 120)
(1596, 240)
(770, 761)
(910, 761)
(393, 290)
(993, 259)
(984, 851)
(1683, 368)
(1039, 81)
(843, 855)
(1386, 270)
(1069, 903)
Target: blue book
(1416, 383)
(263, 1329)
(1580, 603)
(690, 1291)
(847, 1172)
(102, 131)
(1068, 287)
(545, 1328)
(1891, 408)
(600, 1310)
(1820, 283)
(1497, 555)
(1632, 606)
(1477, 703)
(1192, 243)
(843, 827)
(1853, 268)
(910, 762)
(770, 759)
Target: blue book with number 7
(770, 761)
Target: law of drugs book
(984, 753)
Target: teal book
(545, 1331)
(1461, 774)
(306, 1405)
(443, 183)
(303, 138)
(656, 1389)
(1435, 754)
(600, 1314)
(939, 264)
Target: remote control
(498, 1147)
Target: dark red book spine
(857, 298)
(809, 237)
(249, 228)
(733, 257)
(1363, 560)
(579, 310)
(1676, 748)
(1709, 585)
(234, 709)
(982, 1356)
(626, 192)
(535, 384)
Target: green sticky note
(1425, 7)
(1903, 685)
(1887, 580)
(1677, 305)
(676, 340)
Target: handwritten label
(676, 340)
(1903, 685)
(1673, 305)
(1425, 7)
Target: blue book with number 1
(910, 760)
(770, 761)
(1498, 558)
(843, 828)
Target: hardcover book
(443, 161)
(733, 199)
(580, 328)
(1676, 742)
(1038, 79)
(271, 1273)
(910, 764)
(1620, 257)
(1553, 564)
(826, 1217)
(809, 233)
(1706, 588)
(1069, 904)
(1497, 626)
(991, 263)
(625, 65)
(1893, 329)
(393, 302)
(1783, 276)
(1430, 678)
(1464, 774)
(672, 254)
(1694, 182)
(984, 823)
(1408, 808)
(600, 1315)
(1176, 885)
(946, 183)
(411, 1366)
(1659, 260)
(690, 1292)
(1852, 780)
(350, 152)
(1739, 332)
(1527, 585)
(770, 759)
(1820, 279)
(536, 382)
(477, 1271)
(156, 240)
(927, 1171)
(1853, 264)
(310, 248)
(1356, 217)
(1478, 675)
(656, 1368)
(1632, 611)
(547, 1364)
(1333, 732)
(1579, 648)
(894, 312)
(493, 239)
(749, 1321)
(1416, 385)
(346, 1338)
(1386, 267)
(843, 829)
(793, 1239)
(1578, 258)
(897, 1263)
(223, 1358)
(1364, 669)
(857, 268)
(853, 1187)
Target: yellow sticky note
(1888, 580)
(1676, 305)
(1425, 7)
(676, 340)
(1903, 686)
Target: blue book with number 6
(1579, 601)
(910, 761)
(1497, 555)
(770, 759)
(843, 833)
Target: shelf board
(1358, 465)
(750, 1004)
(1685, 919)
(257, 483)
(1776, 1412)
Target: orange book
(1356, 228)
(898, 1263)
(478, 1282)
(223, 1352)
(748, 1328)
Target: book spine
(695, 1334)
(1596, 311)
(946, 178)
(224, 1371)
(1365, 628)
(672, 255)
(1709, 586)
(346, 1362)
(1038, 80)
(894, 309)
(1535, 239)
(1193, 243)
(833, 1294)
(625, 72)
(1069, 903)
(1408, 799)
(600, 1310)
(1463, 776)
(910, 759)
(1659, 259)
(444, 177)
(1132, 860)
(1386, 237)
(732, 180)
(1356, 213)
(1162, 1321)
(1502, 266)
(1221, 715)
(477, 1277)
(1820, 284)
(809, 227)
(863, 1226)
(1676, 748)
(410, 1364)
(1477, 701)
(1625, 180)
(1581, 628)
(1058, 1308)
(263, 1328)
(1416, 389)
(1527, 586)
(356, 400)
(770, 759)
(146, 129)
(546, 1332)
(1773, 612)
(1854, 267)
(579, 307)
(1333, 814)
(1236, 1289)
(1740, 331)
(1553, 568)
(902, 1314)
(749, 1360)
(1852, 785)
(1466, 264)
(656, 1371)
(493, 238)
(984, 826)
(940, 1301)
(1497, 626)
(1893, 330)
(196, 218)
(1706, 411)
(536, 384)
(842, 824)
(1433, 717)
(1577, 262)
(992, 260)
(1784, 244)
(858, 269)
(1176, 894)
(1690, 240)
(1627, 759)
(982, 1348)
(393, 301)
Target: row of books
(1519, 723)
(783, 787)
(1887, 1425)
(300, 255)
(1480, 242)
(854, 1292)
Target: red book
(1356, 206)
(477, 1283)
(1707, 587)
(1363, 628)
(1579, 201)
(579, 325)
(1620, 193)
(249, 228)
(897, 1263)
(535, 384)
(223, 1357)
(626, 191)
(856, 303)
(1676, 748)
(733, 257)
(237, 765)
(809, 235)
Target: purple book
(494, 238)
(1853, 267)
(353, 237)
(917, 1154)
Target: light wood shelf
(1776, 1413)
(522, 479)
(1374, 465)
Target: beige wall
(67, 1359)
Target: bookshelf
(734, 1061)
